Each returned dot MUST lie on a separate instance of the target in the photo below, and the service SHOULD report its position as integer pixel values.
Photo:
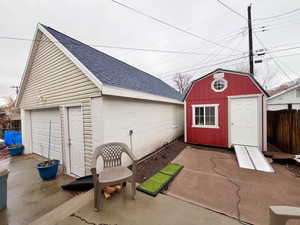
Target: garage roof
(111, 71)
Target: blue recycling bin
(3, 188)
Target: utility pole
(251, 64)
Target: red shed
(224, 108)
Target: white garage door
(244, 121)
(41, 131)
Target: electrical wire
(206, 60)
(232, 35)
(274, 60)
(110, 46)
(231, 9)
(279, 15)
(170, 25)
(171, 73)
(211, 65)
(273, 27)
(277, 21)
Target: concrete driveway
(211, 178)
(28, 196)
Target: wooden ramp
(250, 157)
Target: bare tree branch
(182, 82)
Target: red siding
(201, 93)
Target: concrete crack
(238, 188)
(85, 221)
(82, 219)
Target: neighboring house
(91, 98)
(224, 108)
(283, 99)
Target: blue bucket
(16, 150)
(48, 172)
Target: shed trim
(228, 71)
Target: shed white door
(243, 121)
(76, 143)
(41, 132)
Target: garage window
(205, 116)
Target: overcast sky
(103, 22)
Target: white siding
(285, 98)
(53, 80)
(153, 123)
(277, 107)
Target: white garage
(91, 98)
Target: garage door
(41, 131)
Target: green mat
(154, 184)
(157, 182)
(171, 169)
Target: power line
(274, 60)
(279, 15)
(274, 26)
(266, 59)
(114, 47)
(285, 44)
(231, 9)
(210, 58)
(281, 56)
(227, 61)
(215, 64)
(170, 25)
(284, 49)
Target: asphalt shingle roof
(112, 71)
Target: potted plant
(48, 169)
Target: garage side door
(40, 130)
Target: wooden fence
(284, 130)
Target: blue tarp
(12, 138)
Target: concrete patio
(28, 196)
(146, 210)
(211, 178)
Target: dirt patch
(156, 161)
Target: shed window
(205, 116)
(219, 85)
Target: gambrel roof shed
(226, 108)
(106, 71)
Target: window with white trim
(205, 116)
